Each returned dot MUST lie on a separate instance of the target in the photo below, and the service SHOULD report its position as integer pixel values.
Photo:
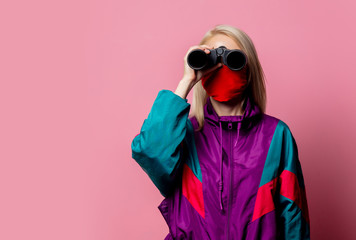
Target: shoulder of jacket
(281, 125)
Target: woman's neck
(229, 108)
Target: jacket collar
(251, 111)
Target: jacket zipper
(230, 165)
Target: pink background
(78, 78)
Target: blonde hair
(256, 78)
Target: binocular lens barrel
(197, 59)
(236, 60)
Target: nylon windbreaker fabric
(238, 178)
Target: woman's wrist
(184, 87)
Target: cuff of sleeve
(171, 94)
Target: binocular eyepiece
(235, 59)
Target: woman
(228, 170)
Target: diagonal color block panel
(291, 189)
(264, 200)
(192, 189)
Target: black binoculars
(235, 59)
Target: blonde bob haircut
(256, 89)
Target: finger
(206, 48)
(196, 47)
(214, 68)
(217, 66)
(202, 47)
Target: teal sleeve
(292, 207)
(158, 147)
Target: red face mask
(224, 84)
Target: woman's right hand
(196, 75)
(191, 76)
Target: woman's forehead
(222, 40)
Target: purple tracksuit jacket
(238, 178)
